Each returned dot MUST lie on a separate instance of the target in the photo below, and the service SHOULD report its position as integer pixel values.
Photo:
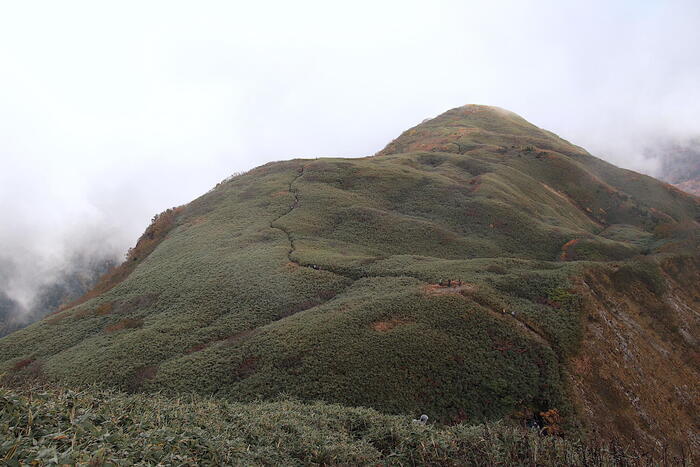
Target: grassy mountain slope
(446, 275)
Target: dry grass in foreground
(95, 427)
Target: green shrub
(647, 273)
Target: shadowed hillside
(476, 269)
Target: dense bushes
(94, 427)
(641, 271)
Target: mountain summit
(477, 268)
(464, 128)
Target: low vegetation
(94, 427)
(334, 279)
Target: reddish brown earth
(637, 376)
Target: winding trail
(523, 325)
(294, 205)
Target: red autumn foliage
(552, 422)
(23, 364)
(568, 252)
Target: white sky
(113, 111)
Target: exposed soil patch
(102, 310)
(127, 323)
(196, 221)
(453, 287)
(386, 326)
(140, 376)
(475, 184)
(22, 364)
(246, 368)
(27, 369)
(197, 348)
(240, 336)
(568, 252)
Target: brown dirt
(141, 376)
(102, 310)
(127, 323)
(240, 336)
(197, 221)
(386, 326)
(196, 348)
(568, 252)
(246, 368)
(437, 289)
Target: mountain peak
(473, 126)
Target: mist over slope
(477, 268)
(45, 295)
(680, 164)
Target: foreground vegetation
(51, 426)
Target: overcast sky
(113, 111)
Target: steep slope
(467, 271)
